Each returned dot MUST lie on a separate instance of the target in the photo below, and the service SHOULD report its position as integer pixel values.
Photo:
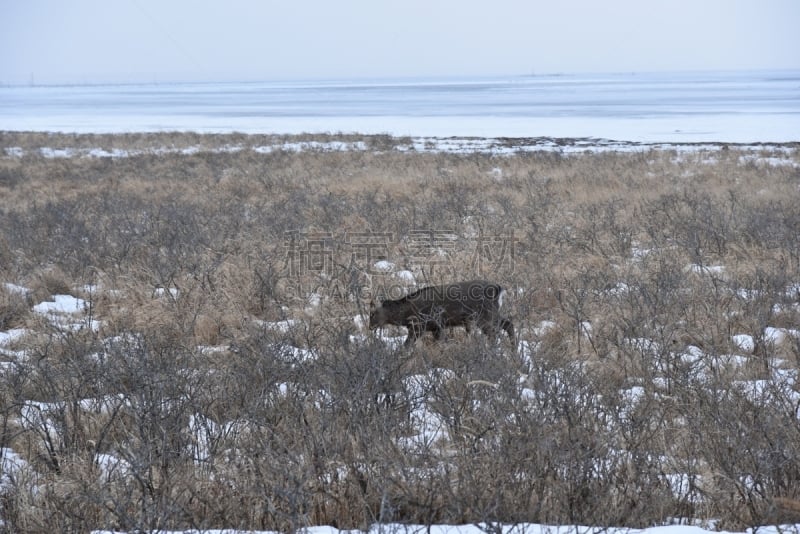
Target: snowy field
(69, 314)
(682, 107)
(780, 154)
(72, 314)
(499, 529)
(749, 128)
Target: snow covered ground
(504, 529)
(71, 313)
(780, 154)
(676, 107)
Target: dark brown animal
(434, 308)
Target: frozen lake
(744, 107)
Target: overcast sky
(99, 41)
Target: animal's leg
(489, 330)
(468, 326)
(438, 332)
(508, 326)
(415, 330)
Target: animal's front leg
(438, 332)
(415, 330)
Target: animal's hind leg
(489, 330)
(468, 326)
(508, 326)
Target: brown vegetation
(227, 385)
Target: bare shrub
(14, 308)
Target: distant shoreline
(59, 144)
(778, 72)
(641, 109)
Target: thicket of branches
(224, 386)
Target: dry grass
(630, 277)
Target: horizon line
(395, 78)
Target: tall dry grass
(628, 403)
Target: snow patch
(708, 270)
(14, 289)
(284, 326)
(11, 466)
(405, 276)
(65, 304)
(744, 342)
(112, 467)
(384, 266)
(12, 335)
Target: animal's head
(377, 315)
